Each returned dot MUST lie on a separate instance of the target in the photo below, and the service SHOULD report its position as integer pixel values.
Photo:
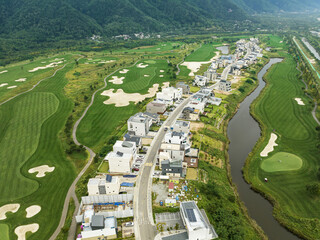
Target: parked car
(136, 169)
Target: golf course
(293, 162)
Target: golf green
(282, 161)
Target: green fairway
(29, 130)
(204, 53)
(4, 232)
(281, 161)
(295, 125)
(161, 47)
(102, 119)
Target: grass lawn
(192, 174)
(4, 232)
(161, 47)
(20, 71)
(29, 130)
(276, 110)
(281, 161)
(205, 53)
(101, 119)
(104, 167)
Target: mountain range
(72, 19)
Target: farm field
(204, 53)
(21, 76)
(29, 128)
(277, 111)
(102, 119)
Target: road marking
(149, 164)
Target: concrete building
(225, 85)
(185, 87)
(132, 138)
(155, 118)
(200, 81)
(103, 186)
(173, 169)
(196, 222)
(119, 162)
(155, 107)
(181, 126)
(176, 137)
(139, 125)
(211, 74)
(169, 95)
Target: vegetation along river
(244, 132)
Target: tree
(177, 226)
(313, 189)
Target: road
(71, 192)
(144, 225)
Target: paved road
(71, 192)
(144, 225)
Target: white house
(181, 126)
(139, 124)
(103, 186)
(169, 95)
(125, 147)
(175, 137)
(211, 74)
(196, 222)
(225, 86)
(200, 81)
(119, 162)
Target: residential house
(200, 81)
(169, 95)
(125, 147)
(174, 168)
(196, 222)
(181, 126)
(211, 75)
(156, 107)
(185, 87)
(170, 186)
(119, 162)
(176, 137)
(153, 116)
(132, 138)
(225, 85)
(103, 186)
(139, 125)
(191, 157)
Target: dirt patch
(121, 99)
(33, 210)
(222, 92)
(270, 146)
(195, 126)
(117, 80)
(8, 208)
(22, 230)
(42, 170)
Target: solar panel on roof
(109, 178)
(191, 216)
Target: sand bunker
(8, 208)
(195, 66)
(299, 101)
(124, 71)
(162, 71)
(51, 65)
(121, 99)
(20, 80)
(33, 210)
(3, 84)
(11, 87)
(140, 65)
(161, 76)
(117, 80)
(270, 146)
(146, 75)
(110, 61)
(42, 170)
(165, 84)
(22, 230)
(4, 71)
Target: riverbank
(294, 208)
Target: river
(243, 133)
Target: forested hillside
(277, 5)
(69, 19)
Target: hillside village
(165, 127)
